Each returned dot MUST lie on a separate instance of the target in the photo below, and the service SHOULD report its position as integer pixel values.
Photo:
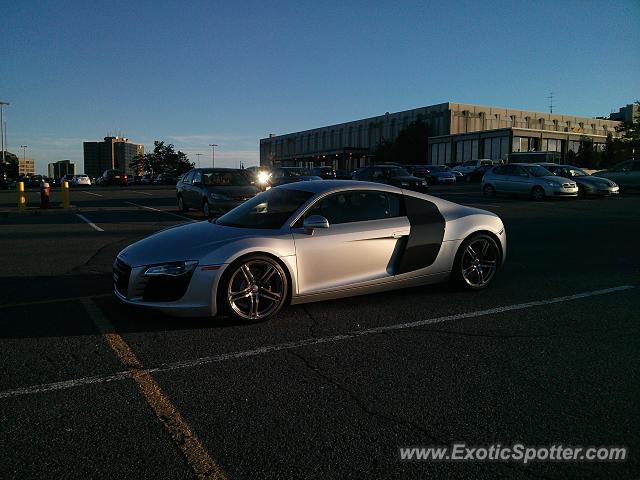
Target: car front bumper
(199, 299)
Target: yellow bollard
(65, 194)
(22, 199)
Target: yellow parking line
(196, 455)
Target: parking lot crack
(314, 322)
(361, 404)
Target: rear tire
(537, 194)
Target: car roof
(322, 186)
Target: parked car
(527, 180)
(306, 241)
(587, 184)
(470, 165)
(135, 180)
(325, 173)
(166, 179)
(66, 178)
(81, 180)
(147, 179)
(440, 174)
(419, 171)
(626, 174)
(114, 177)
(283, 175)
(214, 190)
(477, 174)
(343, 175)
(391, 175)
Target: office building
(457, 132)
(61, 168)
(112, 153)
(26, 166)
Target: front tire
(476, 262)
(537, 194)
(489, 191)
(253, 288)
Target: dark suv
(391, 175)
(214, 190)
(114, 177)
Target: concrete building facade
(112, 153)
(61, 168)
(26, 166)
(457, 132)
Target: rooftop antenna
(550, 97)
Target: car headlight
(173, 269)
(424, 182)
(218, 197)
(554, 184)
(263, 177)
(614, 184)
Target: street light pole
(2, 128)
(213, 154)
(24, 157)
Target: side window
(378, 173)
(515, 171)
(187, 178)
(501, 170)
(357, 206)
(197, 177)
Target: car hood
(405, 178)
(556, 179)
(442, 174)
(591, 180)
(191, 241)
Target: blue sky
(199, 72)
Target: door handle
(399, 234)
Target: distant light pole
(198, 155)
(2, 128)
(213, 154)
(24, 157)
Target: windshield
(395, 172)
(225, 179)
(268, 210)
(437, 168)
(573, 172)
(537, 171)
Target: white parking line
(142, 193)
(91, 193)
(47, 387)
(161, 211)
(90, 222)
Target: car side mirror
(313, 222)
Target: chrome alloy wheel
(479, 261)
(256, 289)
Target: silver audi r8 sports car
(309, 241)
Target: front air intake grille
(166, 288)
(121, 275)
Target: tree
(410, 147)
(163, 159)
(629, 142)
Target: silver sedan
(310, 241)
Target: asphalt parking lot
(548, 354)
